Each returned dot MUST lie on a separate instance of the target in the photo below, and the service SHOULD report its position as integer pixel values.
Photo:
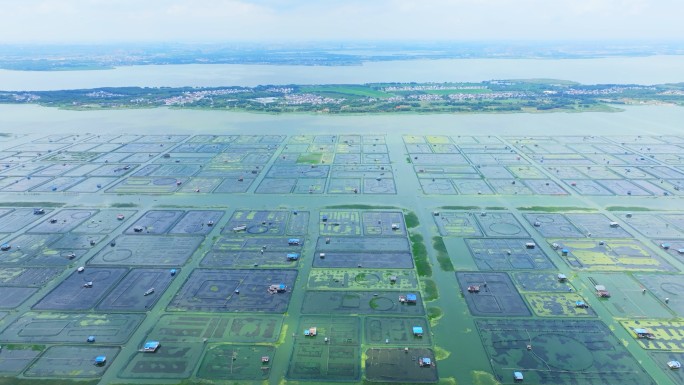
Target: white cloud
(241, 20)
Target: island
(493, 96)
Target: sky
(112, 21)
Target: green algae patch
(484, 378)
(122, 205)
(420, 257)
(434, 314)
(460, 207)
(411, 220)
(32, 204)
(554, 209)
(360, 207)
(441, 353)
(442, 255)
(430, 289)
(627, 208)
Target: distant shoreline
(79, 57)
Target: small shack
(38, 211)
(310, 332)
(293, 241)
(395, 226)
(292, 256)
(562, 277)
(674, 365)
(424, 362)
(100, 360)
(151, 346)
(601, 291)
(91, 339)
(279, 288)
(665, 246)
(581, 304)
(5, 247)
(517, 377)
(614, 224)
(474, 289)
(643, 333)
(530, 245)
(417, 331)
(411, 298)
(240, 228)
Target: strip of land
(494, 96)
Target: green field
(346, 91)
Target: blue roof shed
(100, 360)
(417, 330)
(292, 256)
(151, 346)
(411, 297)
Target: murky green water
(455, 332)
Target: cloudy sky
(92, 21)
